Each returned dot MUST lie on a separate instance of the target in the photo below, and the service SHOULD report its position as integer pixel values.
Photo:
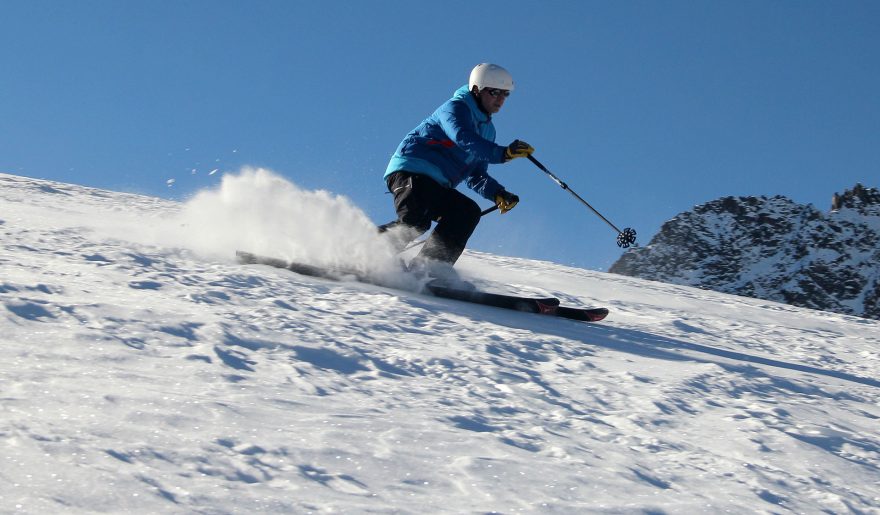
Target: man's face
(493, 99)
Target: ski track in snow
(143, 378)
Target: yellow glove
(518, 149)
(505, 201)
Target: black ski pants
(419, 200)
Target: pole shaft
(566, 188)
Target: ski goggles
(494, 92)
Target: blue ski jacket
(456, 143)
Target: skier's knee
(470, 213)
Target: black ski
(542, 305)
(335, 274)
(582, 314)
(546, 306)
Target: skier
(455, 144)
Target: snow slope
(144, 371)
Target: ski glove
(505, 200)
(518, 149)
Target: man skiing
(453, 145)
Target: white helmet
(488, 75)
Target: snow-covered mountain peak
(772, 248)
(866, 201)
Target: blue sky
(644, 108)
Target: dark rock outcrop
(774, 249)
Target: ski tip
(582, 314)
(598, 315)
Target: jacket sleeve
(483, 183)
(456, 121)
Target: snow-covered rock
(773, 249)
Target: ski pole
(625, 238)
(415, 244)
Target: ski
(335, 274)
(541, 305)
(582, 314)
(544, 306)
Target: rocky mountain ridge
(773, 248)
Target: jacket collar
(463, 93)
